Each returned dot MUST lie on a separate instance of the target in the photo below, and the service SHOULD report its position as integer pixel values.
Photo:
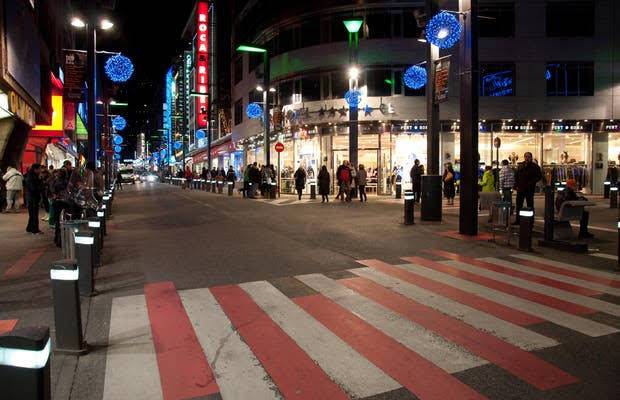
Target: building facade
(549, 84)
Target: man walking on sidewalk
(14, 185)
(416, 179)
(528, 175)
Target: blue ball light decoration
(353, 98)
(118, 68)
(118, 140)
(254, 111)
(415, 77)
(117, 149)
(443, 30)
(119, 123)
(162, 153)
(200, 134)
(177, 145)
(117, 156)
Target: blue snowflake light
(200, 134)
(118, 140)
(117, 149)
(254, 111)
(118, 68)
(177, 145)
(415, 77)
(119, 123)
(162, 153)
(548, 75)
(443, 30)
(353, 98)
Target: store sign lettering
(612, 127)
(560, 128)
(19, 107)
(202, 63)
(516, 127)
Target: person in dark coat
(34, 188)
(231, 177)
(324, 182)
(416, 179)
(527, 176)
(300, 181)
(448, 183)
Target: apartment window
(340, 84)
(570, 18)
(379, 26)
(325, 28)
(238, 69)
(238, 111)
(398, 82)
(411, 24)
(497, 79)
(255, 96)
(379, 82)
(255, 59)
(286, 92)
(311, 32)
(339, 32)
(570, 79)
(325, 93)
(397, 25)
(311, 88)
(498, 19)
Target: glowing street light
(106, 24)
(77, 22)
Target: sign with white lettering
(202, 63)
(442, 77)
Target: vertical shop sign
(75, 74)
(442, 75)
(202, 63)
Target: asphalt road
(180, 266)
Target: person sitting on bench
(570, 194)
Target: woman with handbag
(448, 183)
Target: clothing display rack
(557, 173)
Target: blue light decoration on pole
(117, 149)
(178, 145)
(415, 77)
(119, 123)
(118, 140)
(118, 68)
(254, 111)
(353, 98)
(200, 134)
(162, 153)
(443, 30)
(117, 156)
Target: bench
(569, 211)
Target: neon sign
(202, 62)
(497, 84)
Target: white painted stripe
(591, 271)
(280, 201)
(570, 297)
(607, 256)
(131, 370)
(354, 373)
(238, 373)
(445, 354)
(302, 201)
(558, 317)
(511, 333)
(551, 275)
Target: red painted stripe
(490, 307)
(525, 294)
(290, 368)
(420, 376)
(520, 363)
(22, 265)
(568, 272)
(481, 237)
(7, 325)
(183, 368)
(517, 274)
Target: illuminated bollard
(101, 216)
(526, 225)
(613, 197)
(231, 186)
(84, 252)
(313, 190)
(273, 190)
(606, 187)
(213, 186)
(399, 190)
(24, 364)
(220, 187)
(67, 309)
(95, 226)
(409, 207)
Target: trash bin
(67, 236)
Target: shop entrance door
(369, 158)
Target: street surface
(203, 296)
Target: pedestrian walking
(362, 179)
(14, 185)
(506, 182)
(527, 176)
(300, 180)
(416, 179)
(255, 179)
(231, 177)
(448, 183)
(189, 177)
(246, 181)
(487, 183)
(119, 181)
(343, 175)
(33, 198)
(324, 183)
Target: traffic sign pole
(279, 147)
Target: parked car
(127, 176)
(149, 177)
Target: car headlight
(151, 178)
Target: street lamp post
(353, 26)
(266, 83)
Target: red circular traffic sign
(279, 147)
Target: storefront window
(566, 156)
(406, 148)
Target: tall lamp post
(91, 55)
(353, 26)
(266, 83)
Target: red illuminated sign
(202, 63)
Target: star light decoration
(254, 111)
(353, 98)
(368, 110)
(443, 30)
(119, 123)
(415, 77)
(118, 68)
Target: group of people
(351, 182)
(54, 190)
(255, 178)
(207, 175)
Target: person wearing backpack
(14, 185)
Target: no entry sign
(279, 147)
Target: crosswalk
(379, 328)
